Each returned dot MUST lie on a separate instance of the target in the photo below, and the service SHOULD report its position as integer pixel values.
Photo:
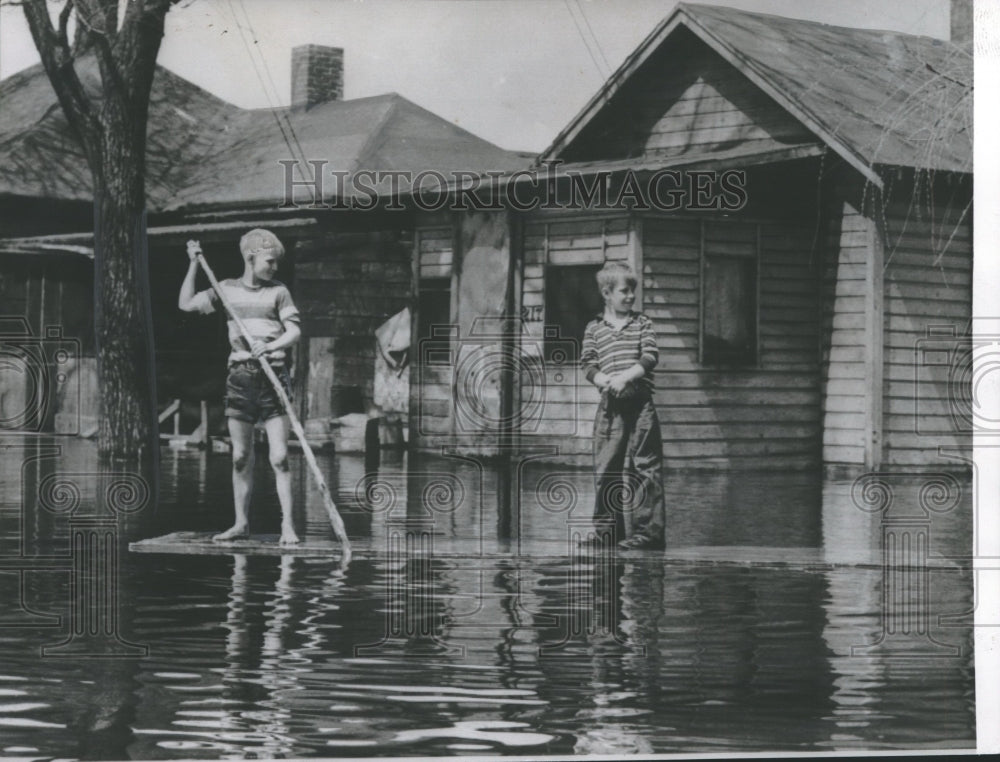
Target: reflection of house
(213, 174)
(791, 329)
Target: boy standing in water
(265, 307)
(618, 357)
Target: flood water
(777, 619)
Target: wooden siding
(346, 286)
(762, 417)
(432, 377)
(557, 403)
(928, 306)
(845, 347)
(434, 252)
(668, 110)
(42, 293)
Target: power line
(597, 42)
(273, 108)
(586, 42)
(274, 87)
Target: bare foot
(288, 537)
(234, 532)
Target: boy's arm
(590, 361)
(648, 357)
(289, 337)
(188, 300)
(185, 299)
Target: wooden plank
(435, 425)
(723, 398)
(910, 440)
(923, 293)
(533, 298)
(435, 258)
(708, 414)
(577, 257)
(845, 437)
(430, 391)
(435, 271)
(834, 453)
(201, 544)
(712, 382)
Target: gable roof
(876, 98)
(205, 152)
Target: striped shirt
(612, 350)
(264, 310)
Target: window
(729, 294)
(571, 301)
(433, 312)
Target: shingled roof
(876, 98)
(39, 157)
(376, 134)
(203, 152)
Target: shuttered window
(729, 294)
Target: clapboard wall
(557, 403)
(927, 389)
(703, 106)
(849, 239)
(763, 416)
(766, 415)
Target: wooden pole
(204, 422)
(331, 509)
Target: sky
(511, 71)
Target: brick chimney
(961, 21)
(317, 75)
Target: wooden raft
(202, 544)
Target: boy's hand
(258, 349)
(601, 380)
(618, 384)
(193, 250)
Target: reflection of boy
(618, 357)
(266, 309)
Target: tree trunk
(124, 336)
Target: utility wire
(586, 43)
(272, 105)
(274, 87)
(597, 43)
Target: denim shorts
(249, 394)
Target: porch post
(874, 341)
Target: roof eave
(651, 44)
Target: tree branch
(64, 23)
(58, 62)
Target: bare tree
(111, 127)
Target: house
(811, 312)
(796, 196)
(214, 171)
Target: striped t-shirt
(264, 310)
(612, 350)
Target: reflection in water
(425, 654)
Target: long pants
(628, 467)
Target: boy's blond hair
(614, 272)
(258, 240)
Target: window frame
(715, 364)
